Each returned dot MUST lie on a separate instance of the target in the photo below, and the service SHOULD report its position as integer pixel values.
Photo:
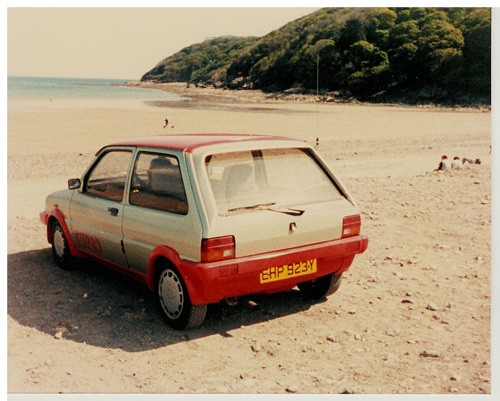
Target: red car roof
(188, 142)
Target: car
(202, 218)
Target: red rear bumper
(212, 282)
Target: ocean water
(81, 93)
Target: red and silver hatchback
(202, 218)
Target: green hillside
(378, 53)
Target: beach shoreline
(211, 93)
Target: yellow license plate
(287, 271)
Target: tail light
(214, 249)
(351, 226)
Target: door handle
(113, 211)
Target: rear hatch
(275, 199)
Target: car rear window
(247, 180)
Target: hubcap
(171, 294)
(59, 242)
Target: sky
(122, 43)
(104, 41)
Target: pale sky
(122, 43)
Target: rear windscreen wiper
(267, 206)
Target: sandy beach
(413, 315)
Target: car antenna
(317, 100)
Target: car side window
(157, 184)
(108, 176)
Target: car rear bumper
(212, 282)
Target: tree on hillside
(440, 51)
(476, 28)
(379, 26)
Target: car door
(157, 212)
(96, 210)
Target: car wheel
(321, 287)
(174, 301)
(60, 248)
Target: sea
(60, 93)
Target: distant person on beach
(166, 123)
(470, 161)
(444, 164)
(456, 164)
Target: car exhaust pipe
(252, 305)
(233, 301)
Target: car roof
(189, 142)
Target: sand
(413, 315)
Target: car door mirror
(74, 183)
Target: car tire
(321, 287)
(174, 302)
(60, 248)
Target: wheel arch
(56, 216)
(163, 256)
(156, 266)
